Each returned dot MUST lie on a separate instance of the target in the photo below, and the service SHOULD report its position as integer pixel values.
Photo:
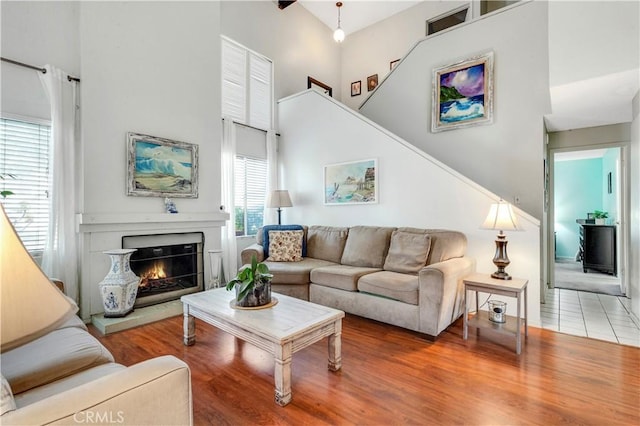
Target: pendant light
(338, 34)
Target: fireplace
(169, 265)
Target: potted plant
(600, 216)
(252, 285)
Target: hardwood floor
(391, 376)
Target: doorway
(587, 218)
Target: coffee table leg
(335, 348)
(283, 373)
(189, 326)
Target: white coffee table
(283, 329)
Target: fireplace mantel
(110, 222)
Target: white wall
(634, 168)
(296, 41)
(370, 50)
(36, 33)
(414, 189)
(590, 39)
(506, 156)
(152, 68)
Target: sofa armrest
(248, 252)
(441, 293)
(153, 392)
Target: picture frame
(393, 64)
(609, 183)
(312, 83)
(372, 82)
(463, 94)
(356, 88)
(160, 167)
(353, 182)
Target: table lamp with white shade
(501, 217)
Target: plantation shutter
(24, 154)
(247, 82)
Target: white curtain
(60, 258)
(229, 249)
(270, 215)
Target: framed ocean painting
(354, 182)
(159, 167)
(463, 94)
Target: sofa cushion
(402, 287)
(55, 355)
(66, 383)
(285, 246)
(445, 244)
(408, 252)
(326, 242)
(342, 277)
(7, 403)
(262, 237)
(294, 272)
(367, 246)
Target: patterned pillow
(7, 402)
(285, 246)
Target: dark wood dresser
(598, 248)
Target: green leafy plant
(4, 176)
(248, 278)
(597, 214)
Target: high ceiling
(355, 14)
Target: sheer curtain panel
(229, 246)
(60, 259)
(270, 215)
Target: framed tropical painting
(354, 182)
(463, 94)
(159, 167)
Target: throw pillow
(285, 246)
(366, 246)
(265, 236)
(7, 402)
(408, 252)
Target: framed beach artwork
(463, 94)
(159, 167)
(354, 182)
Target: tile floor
(598, 316)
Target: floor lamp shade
(501, 218)
(277, 199)
(31, 304)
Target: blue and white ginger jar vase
(120, 287)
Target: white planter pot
(599, 221)
(120, 287)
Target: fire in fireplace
(169, 265)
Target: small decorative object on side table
(512, 288)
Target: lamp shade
(279, 198)
(501, 217)
(31, 305)
(338, 35)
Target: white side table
(515, 287)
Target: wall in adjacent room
(578, 190)
(634, 217)
(610, 201)
(506, 156)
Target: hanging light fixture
(338, 34)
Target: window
(448, 20)
(247, 86)
(250, 194)
(24, 168)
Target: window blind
(250, 194)
(24, 154)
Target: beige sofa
(68, 377)
(407, 277)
